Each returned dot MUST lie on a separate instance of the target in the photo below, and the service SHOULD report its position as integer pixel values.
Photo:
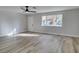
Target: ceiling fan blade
(23, 8)
(33, 11)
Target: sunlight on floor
(26, 34)
(13, 33)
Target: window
(52, 20)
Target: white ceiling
(39, 9)
(55, 8)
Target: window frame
(56, 15)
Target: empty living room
(39, 29)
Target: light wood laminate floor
(35, 43)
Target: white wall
(70, 23)
(10, 21)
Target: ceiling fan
(26, 9)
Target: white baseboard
(57, 34)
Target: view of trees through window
(52, 20)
